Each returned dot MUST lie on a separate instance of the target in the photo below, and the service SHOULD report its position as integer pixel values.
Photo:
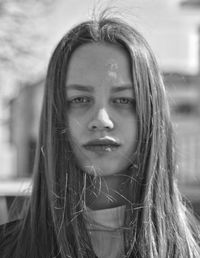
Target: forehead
(98, 60)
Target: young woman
(104, 169)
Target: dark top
(9, 233)
(7, 237)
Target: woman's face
(101, 108)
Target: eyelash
(128, 101)
(84, 100)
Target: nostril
(94, 126)
(100, 125)
(102, 121)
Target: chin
(102, 171)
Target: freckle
(112, 68)
(112, 65)
(112, 74)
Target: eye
(124, 101)
(80, 100)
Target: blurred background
(29, 31)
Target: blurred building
(184, 99)
(190, 3)
(24, 124)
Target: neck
(107, 192)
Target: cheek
(131, 131)
(76, 128)
(74, 124)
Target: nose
(101, 121)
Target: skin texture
(101, 105)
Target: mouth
(102, 145)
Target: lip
(102, 145)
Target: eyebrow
(122, 88)
(79, 87)
(88, 88)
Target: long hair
(53, 224)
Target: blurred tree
(23, 36)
